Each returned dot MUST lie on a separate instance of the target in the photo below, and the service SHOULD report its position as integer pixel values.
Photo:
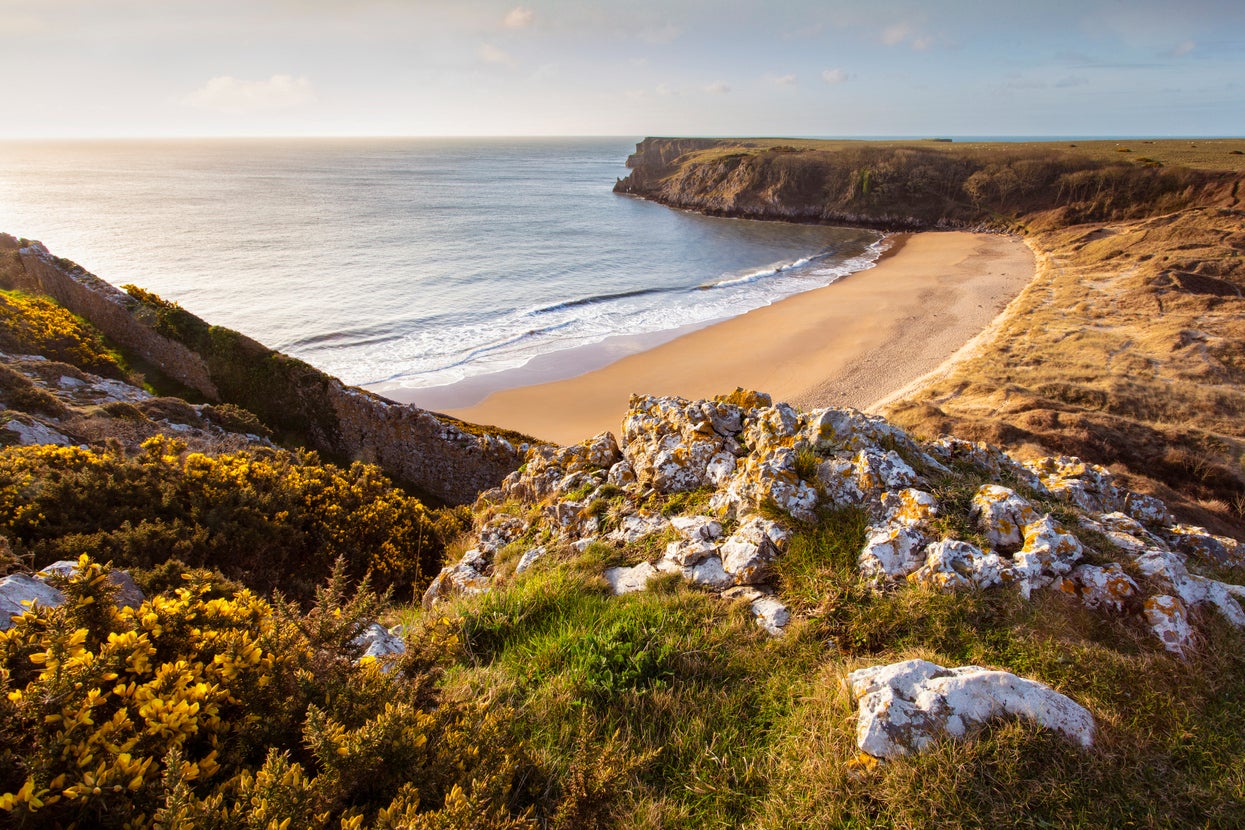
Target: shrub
(37, 325)
(195, 711)
(269, 518)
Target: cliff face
(905, 186)
(294, 399)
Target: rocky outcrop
(905, 706)
(296, 401)
(759, 471)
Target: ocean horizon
(412, 266)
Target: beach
(852, 343)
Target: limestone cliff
(436, 456)
(906, 185)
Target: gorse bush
(271, 519)
(37, 325)
(201, 711)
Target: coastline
(851, 343)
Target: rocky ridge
(746, 474)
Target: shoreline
(854, 342)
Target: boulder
(377, 642)
(18, 592)
(470, 575)
(128, 594)
(771, 615)
(1169, 620)
(905, 706)
(697, 528)
(629, 580)
(1169, 570)
(750, 551)
(951, 564)
(529, 558)
(1001, 514)
(1106, 587)
(1048, 552)
(892, 552)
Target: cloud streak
(236, 96)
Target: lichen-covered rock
(1048, 552)
(629, 580)
(951, 564)
(697, 528)
(750, 551)
(892, 552)
(1202, 544)
(909, 507)
(1088, 486)
(1125, 532)
(836, 478)
(1169, 620)
(689, 552)
(1169, 569)
(768, 476)
(31, 433)
(498, 532)
(1106, 587)
(19, 591)
(671, 443)
(878, 471)
(1001, 514)
(621, 474)
(905, 706)
(847, 430)
(1147, 509)
(771, 428)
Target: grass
(670, 709)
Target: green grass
(670, 709)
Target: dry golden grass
(1127, 348)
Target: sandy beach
(851, 343)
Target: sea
(414, 267)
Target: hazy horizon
(483, 68)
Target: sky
(87, 68)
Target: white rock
(1169, 568)
(1169, 620)
(467, 577)
(621, 474)
(18, 589)
(891, 552)
(771, 615)
(708, 572)
(1199, 542)
(1127, 533)
(637, 526)
(1147, 509)
(686, 553)
(629, 580)
(697, 528)
(749, 552)
(952, 564)
(377, 642)
(878, 471)
(1001, 514)
(1106, 587)
(836, 478)
(905, 706)
(529, 558)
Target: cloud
(494, 55)
(665, 90)
(234, 95)
(904, 32)
(1071, 81)
(1183, 48)
(835, 76)
(661, 35)
(520, 17)
(718, 88)
(784, 80)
